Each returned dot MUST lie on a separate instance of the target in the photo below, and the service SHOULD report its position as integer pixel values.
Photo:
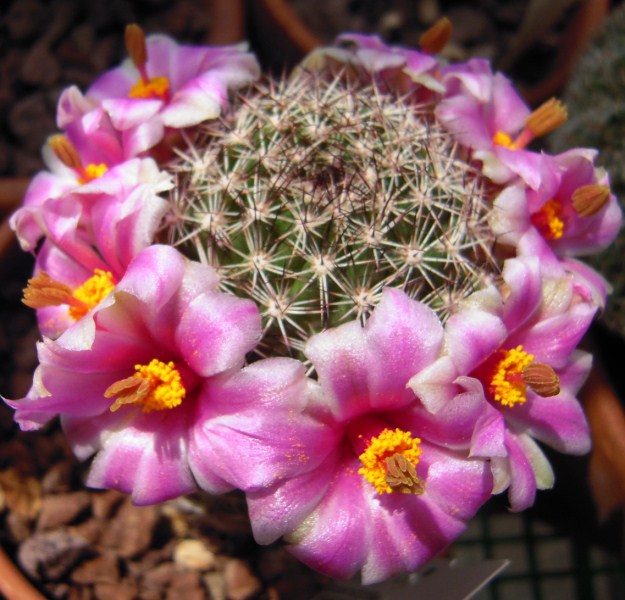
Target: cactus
(313, 194)
(594, 96)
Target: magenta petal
(559, 421)
(336, 537)
(146, 457)
(354, 528)
(522, 491)
(403, 336)
(523, 277)
(435, 385)
(259, 411)
(340, 359)
(216, 331)
(471, 336)
(154, 277)
(274, 511)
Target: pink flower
(167, 85)
(528, 367)
(384, 486)
(394, 68)
(576, 215)
(91, 236)
(129, 379)
(486, 114)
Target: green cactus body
(312, 195)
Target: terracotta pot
(13, 585)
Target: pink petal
(259, 411)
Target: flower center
(146, 87)
(43, 291)
(67, 153)
(156, 386)
(548, 221)
(389, 462)
(155, 87)
(507, 385)
(91, 293)
(91, 172)
(503, 139)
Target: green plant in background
(595, 97)
(315, 194)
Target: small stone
(101, 569)
(275, 561)
(18, 527)
(132, 529)
(91, 530)
(240, 582)
(24, 20)
(428, 11)
(194, 554)
(105, 502)
(51, 554)
(31, 120)
(57, 479)
(159, 577)
(40, 67)
(187, 585)
(469, 24)
(216, 585)
(122, 590)
(62, 509)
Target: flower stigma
(548, 221)
(389, 462)
(156, 386)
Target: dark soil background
(81, 544)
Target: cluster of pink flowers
(409, 425)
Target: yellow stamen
(507, 385)
(156, 386)
(156, 87)
(91, 172)
(503, 139)
(547, 220)
(91, 293)
(588, 200)
(389, 462)
(434, 39)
